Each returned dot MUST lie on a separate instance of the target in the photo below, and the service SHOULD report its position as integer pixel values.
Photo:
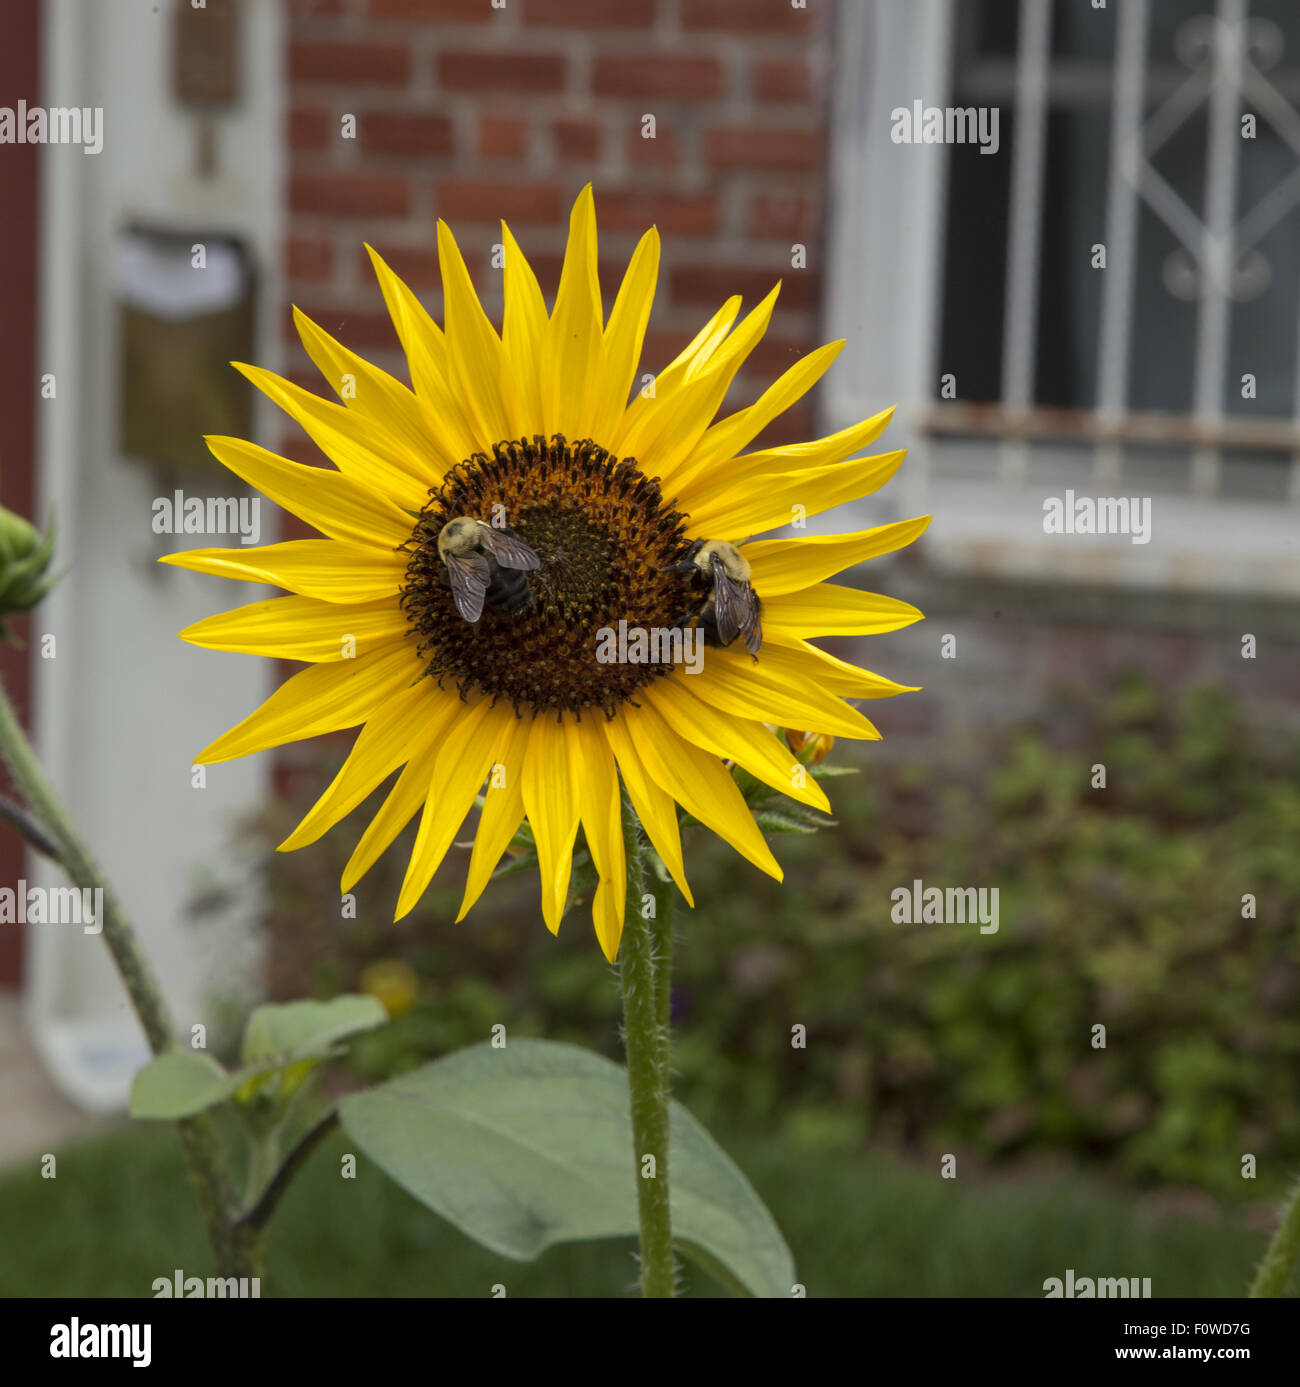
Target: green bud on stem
(25, 556)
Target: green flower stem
(1279, 1261)
(643, 975)
(234, 1250)
(257, 1214)
(662, 929)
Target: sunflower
(609, 479)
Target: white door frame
(123, 706)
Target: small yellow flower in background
(811, 748)
(533, 423)
(396, 985)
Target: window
(1131, 273)
(1110, 302)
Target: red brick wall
(19, 242)
(474, 113)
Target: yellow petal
(322, 698)
(458, 774)
(330, 502)
(698, 352)
(814, 452)
(666, 434)
(346, 440)
(570, 364)
(602, 822)
(747, 743)
(701, 784)
(790, 565)
(831, 610)
(751, 472)
(654, 808)
(373, 393)
(426, 358)
(503, 812)
(474, 353)
(624, 335)
(727, 437)
(692, 358)
(415, 328)
(551, 775)
(302, 628)
(836, 675)
(778, 688)
(409, 792)
(321, 568)
(816, 489)
(397, 732)
(523, 334)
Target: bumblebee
(726, 605)
(486, 566)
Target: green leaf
(750, 786)
(774, 822)
(829, 772)
(531, 1145)
(273, 1133)
(285, 1033)
(511, 866)
(180, 1083)
(582, 882)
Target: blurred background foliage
(1119, 906)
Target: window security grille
(1129, 278)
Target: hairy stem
(644, 981)
(662, 930)
(54, 835)
(17, 817)
(1275, 1270)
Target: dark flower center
(605, 538)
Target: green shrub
(1119, 907)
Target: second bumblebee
(727, 605)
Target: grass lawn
(120, 1214)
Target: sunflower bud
(810, 747)
(24, 557)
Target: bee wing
(469, 575)
(752, 626)
(508, 549)
(736, 609)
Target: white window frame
(886, 247)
